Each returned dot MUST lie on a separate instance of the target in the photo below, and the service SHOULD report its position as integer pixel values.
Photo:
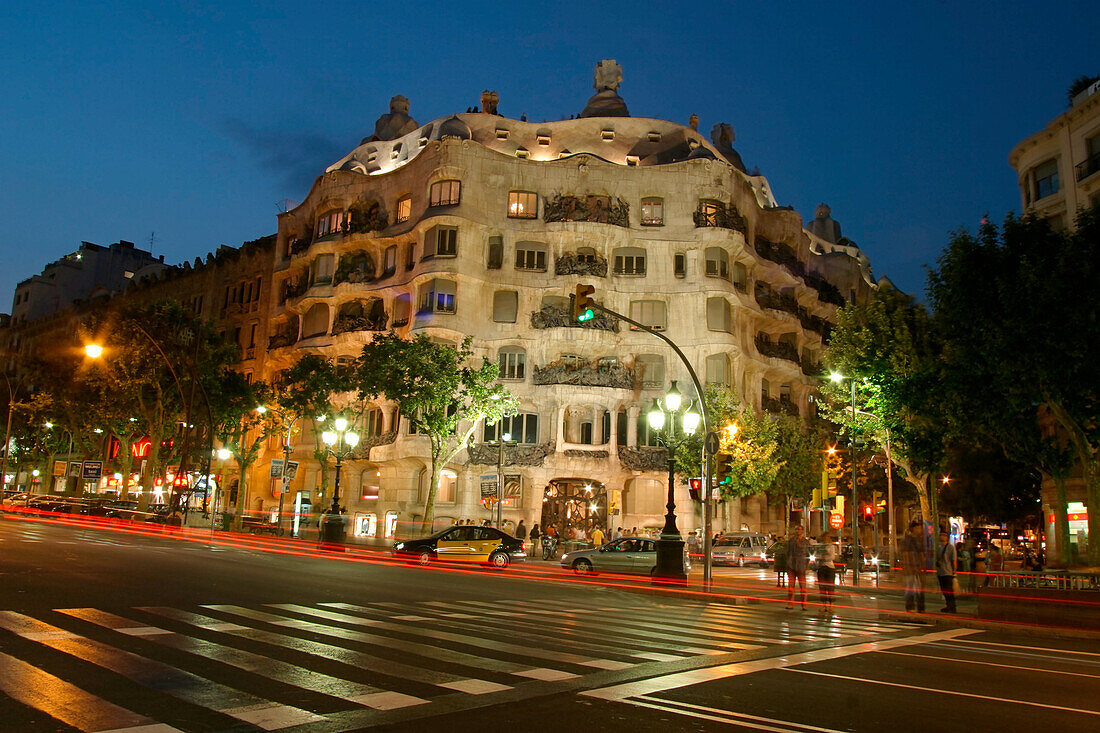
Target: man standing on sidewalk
(945, 571)
(912, 565)
(798, 559)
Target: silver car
(624, 555)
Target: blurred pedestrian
(945, 571)
(535, 536)
(912, 566)
(521, 530)
(597, 537)
(826, 573)
(798, 559)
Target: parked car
(740, 549)
(624, 555)
(464, 544)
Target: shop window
(366, 525)
(649, 313)
(531, 256)
(444, 193)
(629, 261)
(391, 525)
(404, 209)
(511, 360)
(523, 205)
(653, 212)
(437, 296)
(505, 306)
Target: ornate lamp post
(504, 440)
(341, 443)
(670, 411)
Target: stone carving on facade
(568, 371)
(481, 454)
(577, 453)
(552, 316)
(572, 263)
(721, 136)
(587, 208)
(824, 226)
(643, 459)
(693, 122)
(373, 441)
(361, 315)
(367, 215)
(395, 124)
(606, 102)
(776, 349)
(768, 297)
(284, 335)
(354, 267)
(726, 217)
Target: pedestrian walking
(536, 537)
(798, 559)
(826, 573)
(597, 537)
(912, 567)
(521, 531)
(945, 571)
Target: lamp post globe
(339, 442)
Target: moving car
(485, 545)
(624, 555)
(739, 549)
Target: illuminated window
(531, 256)
(366, 525)
(512, 360)
(708, 213)
(653, 212)
(437, 296)
(332, 222)
(447, 490)
(391, 524)
(444, 193)
(718, 263)
(629, 261)
(404, 208)
(523, 205)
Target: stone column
(632, 426)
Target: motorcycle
(549, 546)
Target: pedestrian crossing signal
(583, 303)
(695, 489)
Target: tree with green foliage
(799, 455)
(888, 346)
(439, 389)
(1019, 316)
(242, 426)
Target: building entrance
(575, 507)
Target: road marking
(154, 728)
(272, 716)
(692, 677)
(992, 664)
(741, 720)
(608, 664)
(547, 675)
(946, 692)
(64, 701)
(387, 700)
(1021, 646)
(476, 687)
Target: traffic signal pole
(584, 307)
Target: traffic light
(695, 487)
(723, 468)
(868, 511)
(583, 303)
(816, 502)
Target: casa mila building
(480, 225)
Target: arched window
(718, 263)
(315, 322)
(512, 361)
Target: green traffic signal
(587, 315)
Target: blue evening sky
(193, 123)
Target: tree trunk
(1064, 558)
(1092, 494)
(149, 475)
(919, 482)
(429, 502)
(242, 503)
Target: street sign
(76, 468)
(276, 468)
(836, 521)
(711, 443)
(93, 470)
(291, 470)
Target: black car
(484, 545)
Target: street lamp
(505, 439)
(340, 443)
(857, 556)
(670, 546)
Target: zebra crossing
(337, 665)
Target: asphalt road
(108, 630)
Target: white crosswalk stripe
(338, 665)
